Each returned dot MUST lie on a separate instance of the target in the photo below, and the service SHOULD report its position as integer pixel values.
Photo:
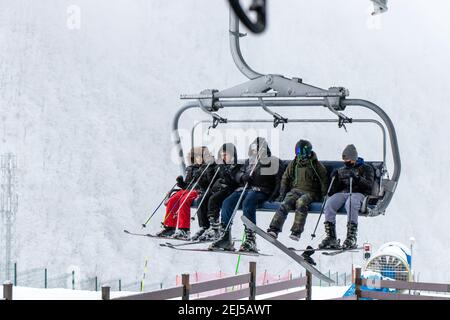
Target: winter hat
(303, 147)
(350, 153)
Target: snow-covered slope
(88, 114)
(23, 293)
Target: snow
(88, 114)
(24, 293)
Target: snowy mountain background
(88, 114)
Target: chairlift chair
(274, 91)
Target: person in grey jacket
(351, 184)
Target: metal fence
(45, 278)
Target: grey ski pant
(337, 200)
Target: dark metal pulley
(258, 7)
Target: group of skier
(223, 186)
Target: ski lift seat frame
(271, 90)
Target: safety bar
(379, 124)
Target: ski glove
(347, 174)
(246, 178)
(180, 182)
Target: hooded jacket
(362, 184)
(227, 171)
(266, 176)
(307, 175)
(194, 171)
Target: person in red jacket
(178, 206)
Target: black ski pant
(215, 203)
(202, 212)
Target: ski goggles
(304, 152)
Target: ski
(253, 254)
(149, 235)
(190, 243)
(323, 250)
(339, 251)
(169, 244)
(300, 260)
(313, 249)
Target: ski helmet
(303, 149)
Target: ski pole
(350, 197)
(178, 201)
(190, 191)
(313, 235)
(206, 192)
(160, 204)
(239, 258)
(243, 192)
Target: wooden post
(15, 274)
(186, 286)
(358, 283)
(308, 285)
(8, 290)
(106, 290)
(252, 283)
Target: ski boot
(212, 234)
(276, 225)
(350, 241)
(198, 234)
(182, 234)
(299, 223)
(330, 242)
(273, 233)
(307, 255)
(249, 244)
(166, 232)
(224, 242)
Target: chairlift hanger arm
(277, 118)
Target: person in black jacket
(262, 174)
(351, 184)
(222, 187)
